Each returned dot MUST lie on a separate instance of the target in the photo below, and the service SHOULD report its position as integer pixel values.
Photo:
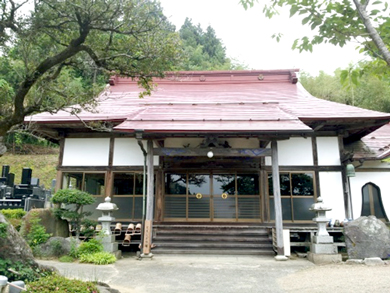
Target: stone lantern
(107, 208)
(322, 248)
(108, 240)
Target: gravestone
(367, 237)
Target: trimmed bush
(13, 213)
(90, 247)
(60, 284)
(66, 258)
(98, 258)
(14, 217)
(73, 200)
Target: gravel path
(203, 273)
(338, 278)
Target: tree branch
(376, 38)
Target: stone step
(197, 231)
(213, 245)
(218, 251)
(214, 238)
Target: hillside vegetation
(43, 166)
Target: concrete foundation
(323, 239)
(323, 248)
(319, 259)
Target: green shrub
(92, 246)
(66, 258)
(14, 217)
(3, 230)
(37, 234)
(74, 200)
(73, 248)
(89, 227)
(19, 271)
(60, 284)
(98, 258)
(13, 213)
(56, 247)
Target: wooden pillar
(60, 159)
(346, 185)
(277, 203)
(159, 196)
(109, 180)
(315, 163)
(149, 202)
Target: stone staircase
(212, 239)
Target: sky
(246, 35)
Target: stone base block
(319, 259)
(354, 262)
(323, 248)
(281, 257)
(147, 256)
(323, 239)
(110, 247)
(106, 238)
(373, 261)
(118, 254)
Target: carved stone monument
(322, 248)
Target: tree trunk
(3, 148)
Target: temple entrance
(212, 196)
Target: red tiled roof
(215, 101)
(375, 146)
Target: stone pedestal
(322, 248)
(320, 259)
(106, 237)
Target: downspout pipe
(141, 145)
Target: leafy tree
(339, 22)
(55, 54)
(369, 93)
(203, 50)
(72, 202)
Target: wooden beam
(217, 152)
(111, 151)
(315, 163)
(277, 203)
(147, 240)
(159, 196)
(306, 168)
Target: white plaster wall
(296, 151)
(331, 187)
(380, 179)
(86, 152)
(328, 151)
(127, 152)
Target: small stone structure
(367, 237)
(108, 240)
(322, 248)
(13, 287)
